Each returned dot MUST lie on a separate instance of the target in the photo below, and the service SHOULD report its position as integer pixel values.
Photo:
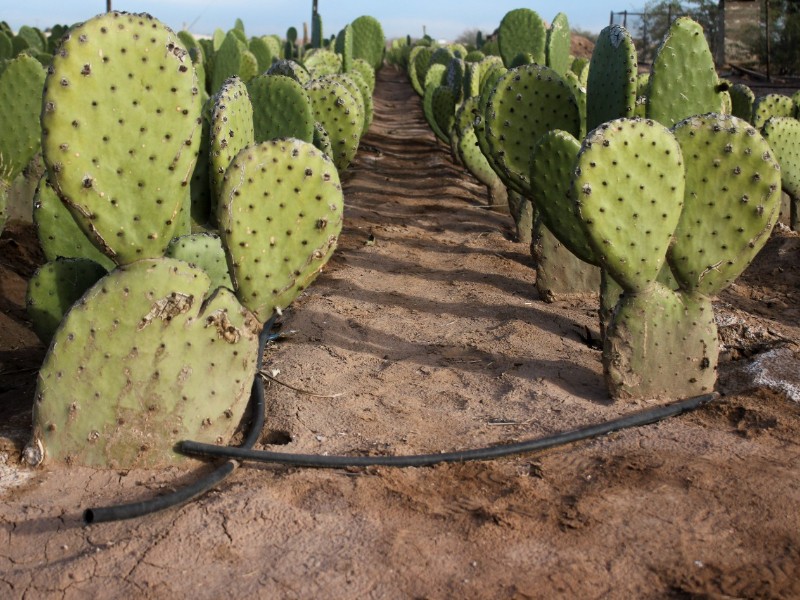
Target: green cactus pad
(366, 71)
(337, 109)
(733, 185)
(281, 108)
(442, 111)
(611, 84)
(59, 234)
(262, 50)
(522, 31)
(467, 143)
(21, 86)
(683, 79)
(203, 250)
(145, 359)
(421, 60)
(783, 135)
(418, 62)
(201, 211)
(369, 42)
(231, 128)
(742, 100)
(366, 96)
(579, 93)
(558, 45)
(121, 129)
(54, 288)
(287, 193)
(552, 166)
(322, 141)
(527, 102)
(290, 68)
(629, 189)
(228, 61)
(771, 105)
(322, 62)
(661, 344)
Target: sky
(441, 19)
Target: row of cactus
(664, 201)
(152, 329)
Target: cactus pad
(629, 191)
(146, 358)
(527, 103)
(54, 288)
(59, 234)
(558, 44)
(121, 129)
(683, 79)
(611, 83)
(21, 86)
(231, 128)
(552, 165)
(771, 105)
(522, 31)
(337, 109)
(205, 251)
(281, 108)
(731, 204)
(369, 42)
(288, 193)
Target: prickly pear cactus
(611, 83)
(344, 47)
(552, 166)
(59, 234)
(683, 79)
(522, 31)
(205, 251)
(733, 185)
(629, 202)
(21, 86)
(121, 155)
(54, 288)
(281, 108)
(558, 44)
(291, 69)
(771, 105)
(149, 356)
(742, 100)
(369, 42)
(527, 102)
(783, 135)
(322, 62)
(286, 192)
(337, 109)
(231, 129)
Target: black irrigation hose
(139, 509)
(636, 419)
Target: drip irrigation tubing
(639, 418)
(133, 510)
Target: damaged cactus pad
(150, 355)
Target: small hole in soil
(276, 437)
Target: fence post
(769, 42)
(625, 19)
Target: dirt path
(427, 329)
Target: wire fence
(734, 33)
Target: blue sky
(443, 20)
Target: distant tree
(784, 36)
(468, 37)
(659, 15)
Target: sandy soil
(427, 330)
